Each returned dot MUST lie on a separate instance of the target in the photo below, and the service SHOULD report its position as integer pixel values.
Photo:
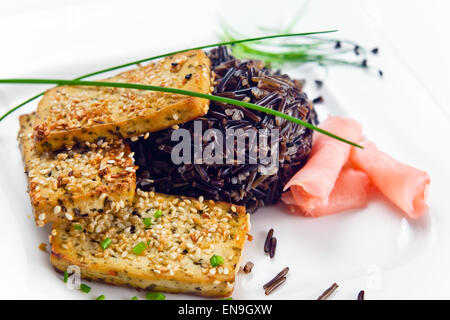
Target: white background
(407, 114)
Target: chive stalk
(181, 92)
(223, 43)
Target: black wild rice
(281, 274)
(248, 267)
(318, 100)
(328, 292)
(268, 241)
(275, 285)
(319, 83)
(273, 247)
(241, 184)
(361, 295)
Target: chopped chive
(134, 298)
(100, 297)
(229, 298)
(216, 261)
(158, 214)
(155, 296)
(66, 276)
(106, 243)
(78, 227)
(85, 288)
(181, 92)
(147, 222)
(141, 246)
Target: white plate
(374, 249)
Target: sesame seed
(56, 209)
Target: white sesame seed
(42, 216)
(57, 209)
(68, 216)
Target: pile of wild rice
(241, 184)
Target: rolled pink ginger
(405, 186)
(313, 184)
(350, 191)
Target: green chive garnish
(182, 92)
(85, 288)
(105, 243)
(229, 298)
(100, 297)
(78, 227)
(155, 296)
(147, 222)
(134, 298)
(172, 53)
(141, 246)
(66, 276)
(158, 214)
(216, 261)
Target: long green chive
(106, 243)
(139, 248)
(100, 297)
(182, 92)
(157, 214)
(134, 298)
(66, 276)
(147, 222)
(229, 298)
(216, 261)
(224, 43)
(155, 296)
(85, 288)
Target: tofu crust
(67, 115)
(178, 245)
(65, 185)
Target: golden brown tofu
(70, 114)
(161, 243)
(74, 183)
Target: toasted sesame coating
(70, 114)
(75, 183)
(177, 245)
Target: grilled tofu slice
(69, 114)
(162, 243)
(66, 185)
